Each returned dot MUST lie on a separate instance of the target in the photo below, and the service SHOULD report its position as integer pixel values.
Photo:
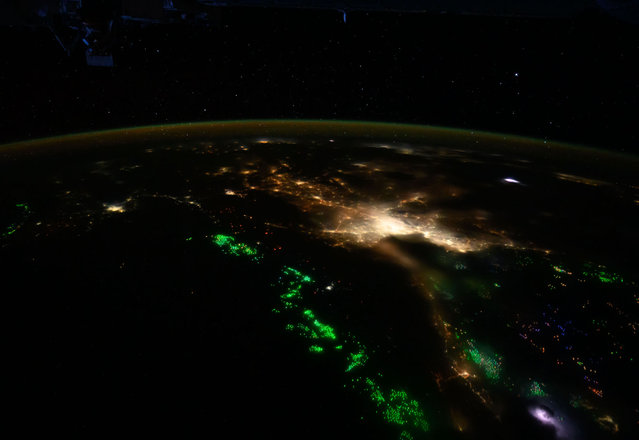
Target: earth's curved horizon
(318, 127)
(323, 278)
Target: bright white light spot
(547, 416)
(369, 225)
(542, 415)
(229, 192)
(510, 180)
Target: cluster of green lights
(13, 227)
(232, 247)
(490, 364)
(393, 405)
(604, 276)
(597, 272)
(357, 359)
(405, 435)
(302, 330)
(535, 390)
(292, 297)
(600, 323)
(300, 276)
(324, 331)
(396, 407)
(524, 260)
(305, 324)
(317, 331)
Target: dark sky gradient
(574, 80)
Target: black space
(572, 79)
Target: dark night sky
(566, 79)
